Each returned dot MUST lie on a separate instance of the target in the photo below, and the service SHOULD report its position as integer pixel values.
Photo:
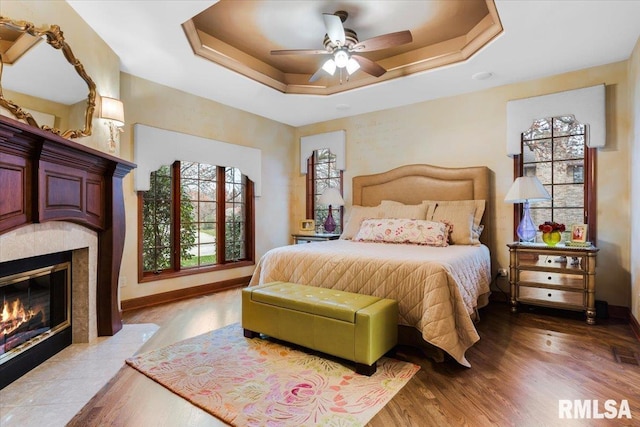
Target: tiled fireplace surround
(58, 236)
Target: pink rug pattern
(257, 382)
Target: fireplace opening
(35, 321)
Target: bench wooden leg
(250, 334)
(367, 370)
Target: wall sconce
(112, 110)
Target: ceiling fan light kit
(341, 57)
(345, 49)
(329, 66)
(352, 66)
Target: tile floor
(55, 391)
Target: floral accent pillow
(397, 230)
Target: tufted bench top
(331, 303)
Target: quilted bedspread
(437, 288)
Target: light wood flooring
(522, 366)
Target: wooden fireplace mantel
(44, 177)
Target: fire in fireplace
(36, 312)
(22, 316)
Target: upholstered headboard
(412, 184)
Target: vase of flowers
(551, 232)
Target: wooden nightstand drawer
(550, 296)
(552, 279)
(563, 263)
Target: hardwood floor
(522, 366)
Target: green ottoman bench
(360, 328)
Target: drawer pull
(549, 278)
(549, 261)
(549, 295)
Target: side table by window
(553, 276)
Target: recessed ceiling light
(342, 107)
(483, 75)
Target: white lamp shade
(331, 196)
(352, 66)
(527, 188)
(329, 66)
(112, 109)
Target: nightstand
(317, 237)
(559, 277)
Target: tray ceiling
(240, 35)
(540, 39)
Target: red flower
(550, 226)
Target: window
(195, 217)
(157, 214)
(554, 150)
(234, 214)
(322, 173)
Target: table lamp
(526, 189)
(330, 197)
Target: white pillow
(356, 214)
(404, 211)
(428, 205)
(464, 217)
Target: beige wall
(470, 130)
(634, 158)
(159, 106)
(99, 61)
(60, 111)
(458, 131)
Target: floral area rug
(258, 382)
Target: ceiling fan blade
(300, 52)
(368, 66)
(316, 75)
(383, 42)
(334, 27)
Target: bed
(438, 288)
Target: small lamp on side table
(330, 197)
(526, 189)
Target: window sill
(152, 277)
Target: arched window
(195, 217)
(555, 150)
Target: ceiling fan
(343, 46)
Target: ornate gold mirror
(37, 79)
